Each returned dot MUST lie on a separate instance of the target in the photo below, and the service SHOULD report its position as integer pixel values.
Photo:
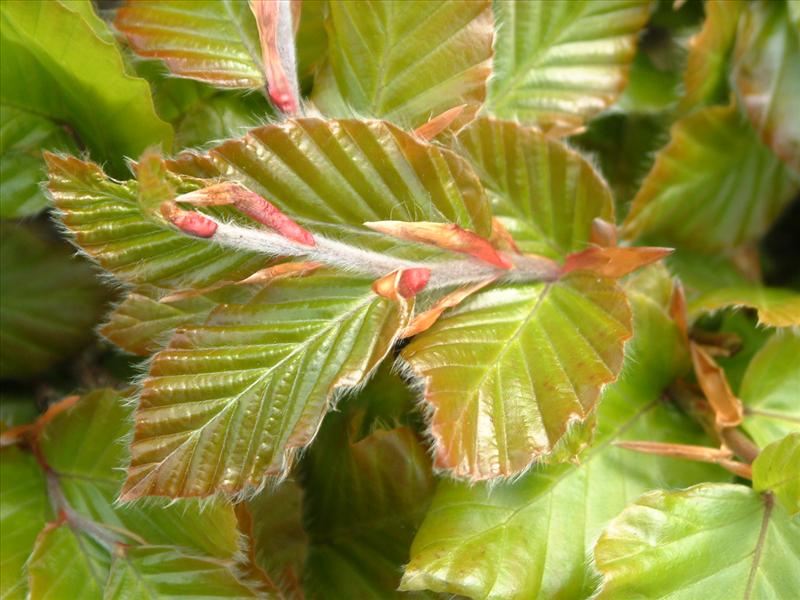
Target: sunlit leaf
(505, 395)
(215, 41)
(750, 548)
(777, 469)
(364, 501)
(710, 50)
(250, 387)
(50, 301)
(558, 63)
(767, 78)
(54, 65)
(714, 186)
(776, 307)
(405, 61)
(23, 511)
(769, 389)
(530, 538)
(545, 194)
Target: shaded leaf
(364, 500)
(750, 547)
(777, 469)
(530, 538)
(163, 572)
(50, 301)
(714, 186)
(776, 307)
(24, 135)
(769, 389)
(707, 65)
(405, 61)
(767, 78)
(558, 63)
(23, 511)
(249, 388)
(55, 65)
(504, 395)
(279, 539)
(215, 41)
(544, 194)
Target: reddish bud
(405, 283)
(439, 123)
(188, 221)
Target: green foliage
(381, 323)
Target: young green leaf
(714, 156)
(405, 61)
(777, 469)
(215, 41)
(50, 301)
(769, 389)
(77, 79)
(767, 78)
(705, 78)
(23, 512)
(250, 387)
(558, 63)
(545, 194)
(776, 307)
(496, 541)
(750, 548)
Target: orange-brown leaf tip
(188, 221)
(501, 238)
(439, 123)
(727, 407)
(677, 309)
(448, 236)
(615, 261)
(603, 233)
(405, 283)
(424, 321)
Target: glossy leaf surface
(545, 194)
(714, 186)
(557, 63)
(56, 66)
(769, 389)
(405, 61)
(530, 538)
(767, 78)
(215, 41)
(50, 301)
(777, 469)
(750, 547)
(505, 395)
(248, 389)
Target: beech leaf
(769, 389)
(767, 78)
(777, 469)
(750, 546)
(493, 541)
(262, 376)
(713, 156)
(776, 307)
(559, 62)
(405, 62)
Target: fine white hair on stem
(350, 258)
